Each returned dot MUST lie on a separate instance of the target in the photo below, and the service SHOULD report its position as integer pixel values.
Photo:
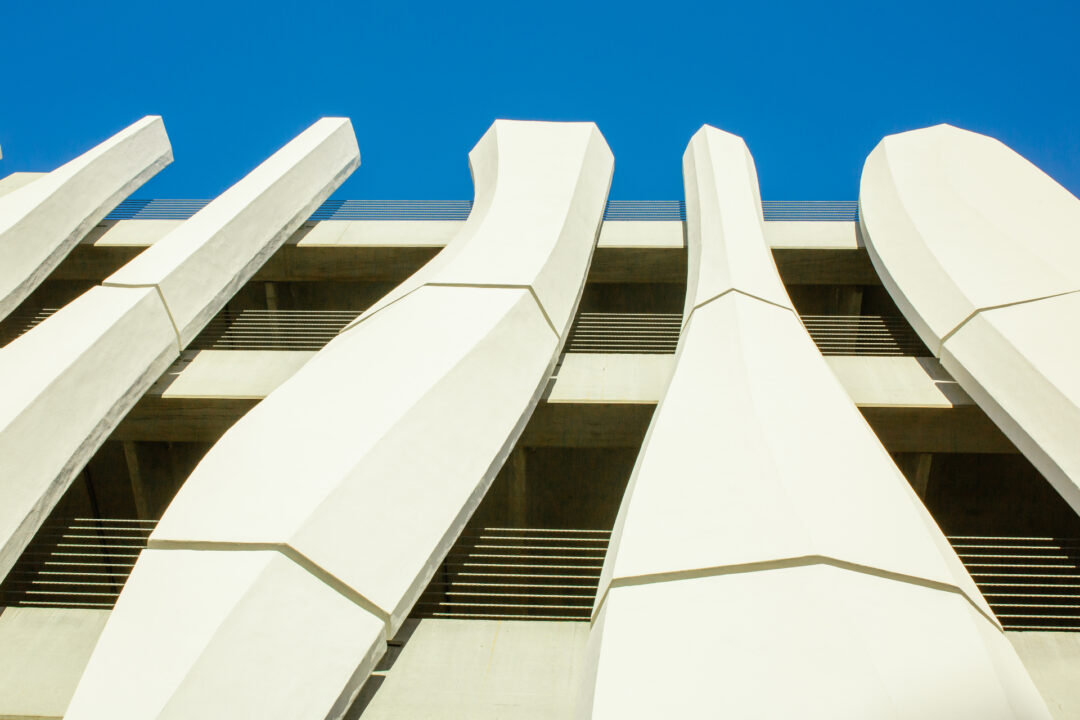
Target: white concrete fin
(723, 203)
(92, 361)
(215, 611)
(198, 266)
(40, 222)
(981, 251)
(394, 430)
(763, 507)
(549, 209)
(66, 384)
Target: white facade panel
(981, 251)
(41, 221)
(764, 521)
(363, 467)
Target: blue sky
(811, 87)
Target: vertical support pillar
(42, 221)
(138, 489)
(766, 524)
(517, 489)
(92, 360)
(295, 549)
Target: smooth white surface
(981, 251)
(806, 642)
(763, 513)
(202, 263)
(729, 261)
(956, 222)
(394, 430)
(215, 612)
(41, 221)
(66, 385)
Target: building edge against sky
(437, 406)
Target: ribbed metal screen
(517, 574)
(1031, 583)
(82, 563)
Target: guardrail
(592, 332)
(81, 563)
(774, 210)
(864, 335)
(517, 574)
(273, 329)
(1031, 583)
(633, 333)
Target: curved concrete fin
(91, 361)
(42, 221)
(981, 251)
(364, 466)
(769, 560)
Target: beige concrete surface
(43, 652)
(1053, 659)
(16, 180)
(481, 670)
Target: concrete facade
(556, 456)
(42, 220)
(91, 361)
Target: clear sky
(811, 86)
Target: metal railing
(864, 335)
(633, 333)
(82, 563)
(813, 210)
(182, 209)
(517, 574)
(18, 324)
(273, 329)
(592, 332)
(1031, 583)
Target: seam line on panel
(498, 286)
(785, 563)
(728, 292)
(988, 308)
(364, 317)
(161, 296)
(289, 552)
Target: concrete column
(91, 361)
(517, 489)
(769, 560)
(981, 252)
(303, 538)
(138, 490)
(42, 221)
